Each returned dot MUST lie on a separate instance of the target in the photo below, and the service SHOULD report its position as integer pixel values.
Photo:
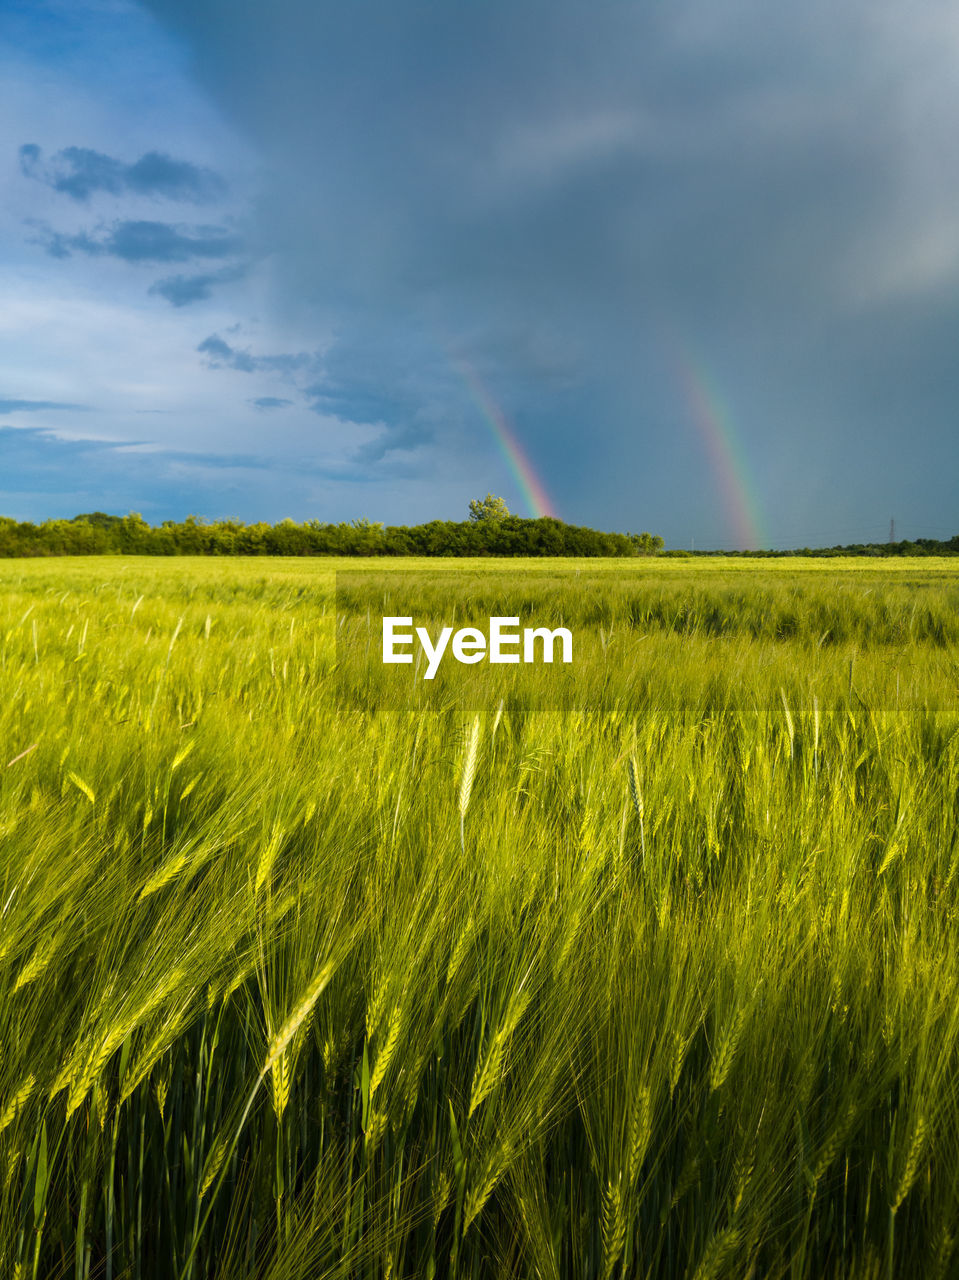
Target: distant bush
(921, 547)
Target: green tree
(646, 544)
(489, 508)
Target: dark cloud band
(181, 291)
(142, 241)
(220, 355)
(36, 406)
(80, 172)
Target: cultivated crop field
(652, 972)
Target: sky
(686, 267)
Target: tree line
(488, 532)
(97, 533)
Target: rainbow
(726, 456)
(531, 487)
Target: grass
(652, 972)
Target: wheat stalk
(716, 1254)
(488, 1068)
(497, 718)
(614, 1226)
(790, 727)
(640, 1130)
(493, 1169)
(16, 1103)
(911, 1167)
(385, 1055)
(726, 1051)
(637, 795)
(297, 1018)
(466, 777)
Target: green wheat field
(653, 972)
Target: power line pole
(892, 530)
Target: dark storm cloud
(271, 402)
(143, 241)
(79, 172)
(406, 438)
(397, 381)
(181, 291)
(760, 193)
(35, 406)
(510, 155)
(220, 355)
(362, 400)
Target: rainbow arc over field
(727, 458)
(520, 467)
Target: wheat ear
(466, 778)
